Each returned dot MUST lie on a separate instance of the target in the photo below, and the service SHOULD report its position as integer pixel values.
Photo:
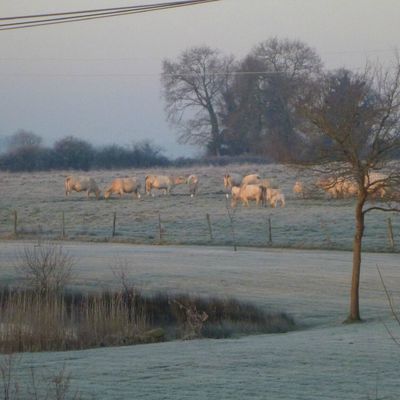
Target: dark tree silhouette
(193, 88)
(359, 116)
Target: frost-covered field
(323, 360)
(40, 202)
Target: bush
(45, 267)
(74, 153)
(28, 158)
(53, 386)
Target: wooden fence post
(209, 227)
(62, 225)
(390, 233)
(269, 231)
(159, 228)
(114, 223)
(15, 222)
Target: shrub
(45, 266)
(71, 152)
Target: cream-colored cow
(81, 184)
(124, 185)
(162, 182)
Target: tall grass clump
(44, 315)
(33, 321)
(39, 384)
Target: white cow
(231, 180)
(275, 197)
(123, 185)
(251, 180)
(193, 182)
(247, 192)
(162, 182)
(81, 184)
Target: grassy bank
(34, 321)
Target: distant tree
(193, 88)
(25, 153)
(3, 143)
(260, 115)
(354, 120)
(27, 159)
(23, 138)
(146, 154)
(71, 152)
(113, 156)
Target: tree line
(25, 152)
(261, 104)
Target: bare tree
(355, 120)
(260, 111)
(45, 266)
(193, 87)
(22, 138)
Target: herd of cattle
(240, 188)
(243, 188)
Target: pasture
(324, 359)
(43, 211)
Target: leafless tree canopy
(354, 125)
(45, 266)
(22, 139)
(193, 90)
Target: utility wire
(17, 22)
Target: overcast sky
(100, 80)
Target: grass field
(323, 359)
(317, 222)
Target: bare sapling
(54, 386)
(45, 266)
(353, 120)
(395, 314)
(231, 215)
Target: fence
(241, 227)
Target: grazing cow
(193, 182)
(298, 189)
(343, 187)
(162, 182)
(266, 183)
(231, 180)
(377, 184)
(124, 185)
(235, 192)
(275, 197)
(335, 187)
(247, 192)
(252, 179)
(81, 184)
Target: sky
(100, 80)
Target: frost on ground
(317, 222)
(323, 360)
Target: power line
(29, 21)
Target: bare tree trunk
(354, 315)
(215, 134)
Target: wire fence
(259, 227)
